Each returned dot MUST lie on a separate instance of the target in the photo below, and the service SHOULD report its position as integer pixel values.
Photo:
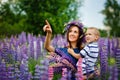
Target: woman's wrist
(49, 32)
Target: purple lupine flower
(60, 41)
(17, 73)
(22, 38)
(40, 44)
(117, 43)
(43, 72)
(24, 72)
(64, 74)
(0, 56)
(29, 38)
(19, 55)
(31, 48)
(43, 38)
(103, 58)
(3, 70)
(12, 40)
(35, 50)
(54, 41)
(38, 48)
(25, 57)
(113, 73)
(44, 69)
(24, 49)
(50, 73)
(117, 53)
(79, 74)
(12, 56)
(37, 73)
(69, 75)
(16, 44)
(111, 42)
(11, 74)
(22, 52)
(7, 54)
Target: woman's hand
(70, 50)
(47, 27)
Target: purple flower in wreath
(74, 23)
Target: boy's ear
(97, 37)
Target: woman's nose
(72, 34)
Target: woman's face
(73, 34)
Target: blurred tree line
(30, 15)
(112, 16)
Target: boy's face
(90, 36)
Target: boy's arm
(71, 51)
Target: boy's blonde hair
(97, 32)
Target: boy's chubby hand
(47, 27)
(70, 50)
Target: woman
(75, 38)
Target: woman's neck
(73, 45)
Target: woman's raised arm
(47, 28)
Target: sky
(90, 13)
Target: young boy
(89, 53)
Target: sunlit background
(22, 54)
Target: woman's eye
(75, 31)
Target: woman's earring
(81, 36)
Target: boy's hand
(70, 50)
(47, 27)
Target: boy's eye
(88, 34)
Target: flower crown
(73, 23)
